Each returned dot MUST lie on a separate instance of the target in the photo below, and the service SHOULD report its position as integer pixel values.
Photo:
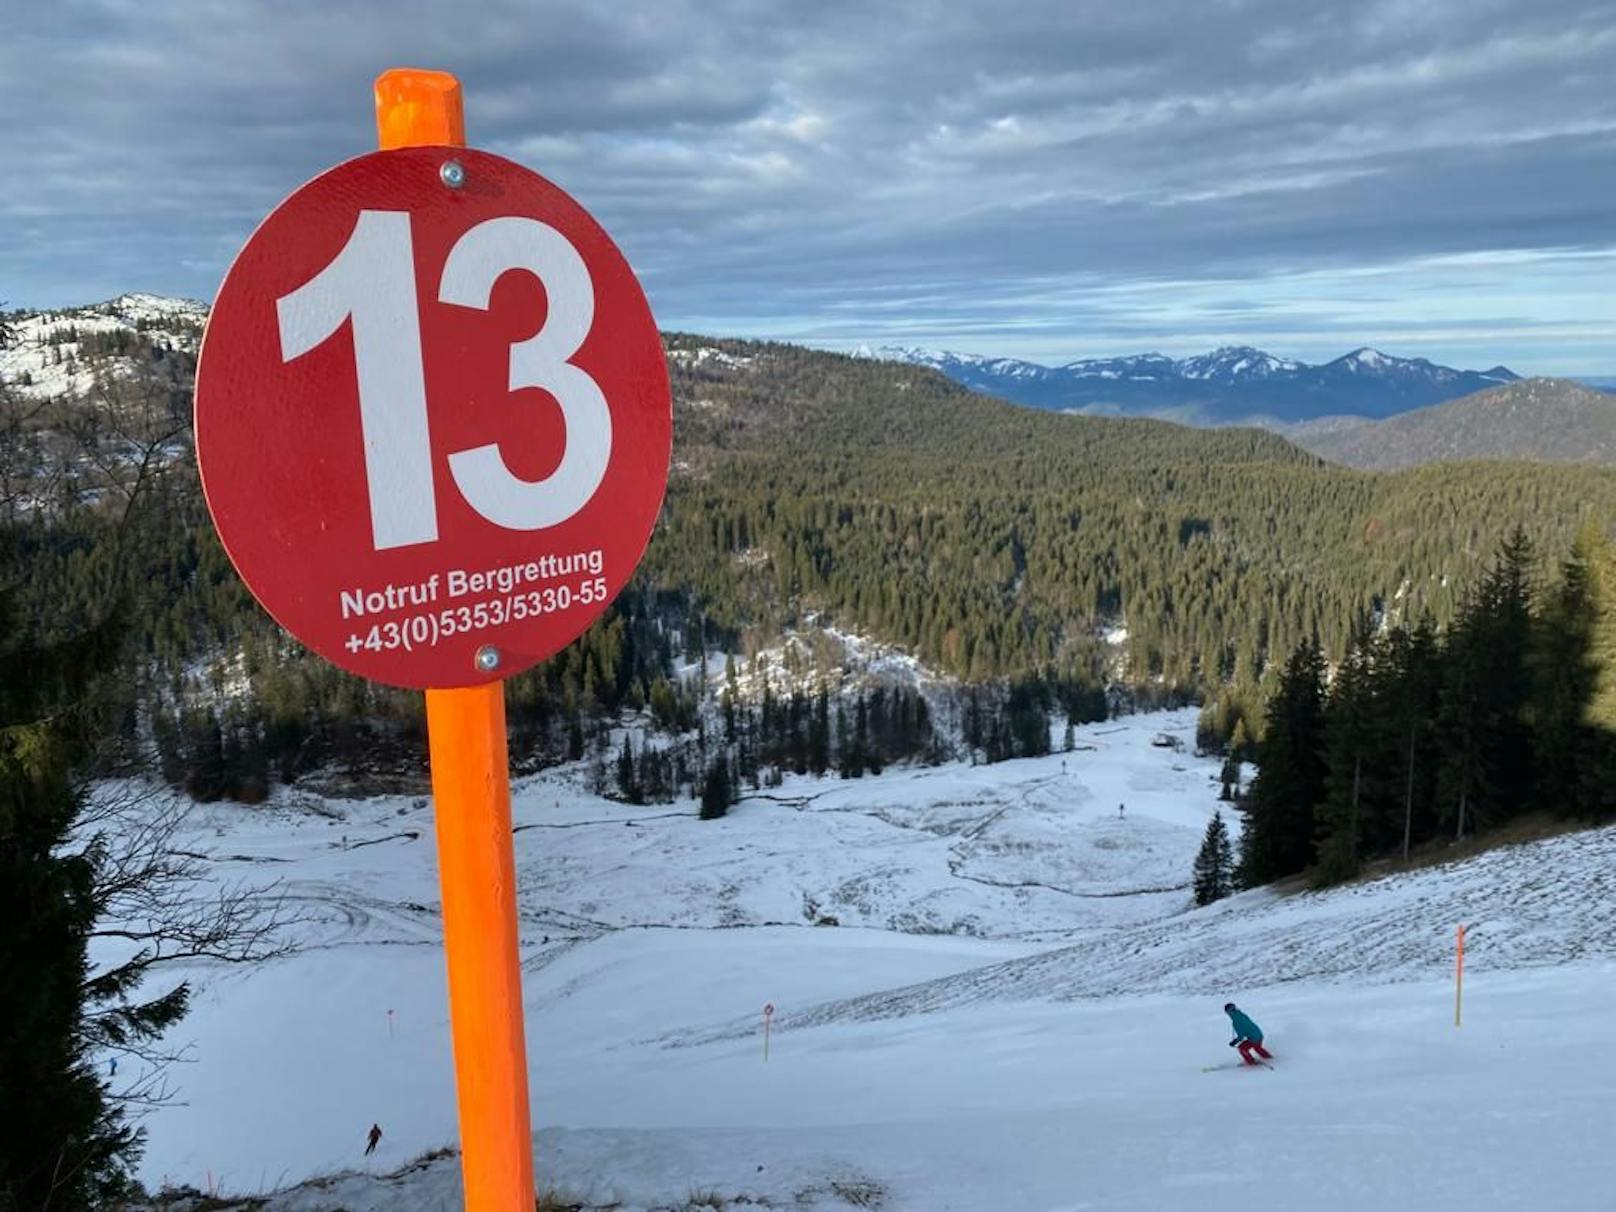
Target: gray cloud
(1045, 179)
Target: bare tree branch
(161, 895)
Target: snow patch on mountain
(707, 355)
(1233, 362)
(1371, 359)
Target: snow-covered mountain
(1233, 385)
(973, 371)
(65, 352)
(1235, 363)
(100, 396)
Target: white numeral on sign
(476, 262)
(372, 282)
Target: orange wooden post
(477, 870)
(1458, 983)
(472, 793)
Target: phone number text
(431, 628)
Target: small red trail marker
(1458, 981)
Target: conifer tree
(1351, 724)
(1487, 771)
(1462, 723)
(717, 789)
(1278, 838)
(628, 784)
(861, 735)
(1512, 592)
(64, 1144)
(1229, 777)
(854, 739)
(1565, 679)
(1214, 864)
(1414, 662)
(819, 734)
(664, 704)
(575, 735)
(1597, 769)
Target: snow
(1014, 1012)
(709, 355)
(815, 654)
(1236, 361)
(1132, 367)
(949, 362)
(30, 364)
(1367, 359)
(1226, 364)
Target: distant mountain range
(1232, 385)
(1365, 409)
(1546, 420)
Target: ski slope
(1014, 1011)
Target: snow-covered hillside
(1014, 1008)
(49, 357)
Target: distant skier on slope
(1248, 1035)
(373, 1139)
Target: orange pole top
(418, 108)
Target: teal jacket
(1244, 1028)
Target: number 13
(372, 282)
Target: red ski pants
(1248, 1046)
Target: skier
(373, 1139)
(1122, 811)
(1248, 1035)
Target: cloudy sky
(1040, 178)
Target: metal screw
(487, 658)
(452, 173)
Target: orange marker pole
(471, 787)
(1458, 983)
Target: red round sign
(433, 417)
